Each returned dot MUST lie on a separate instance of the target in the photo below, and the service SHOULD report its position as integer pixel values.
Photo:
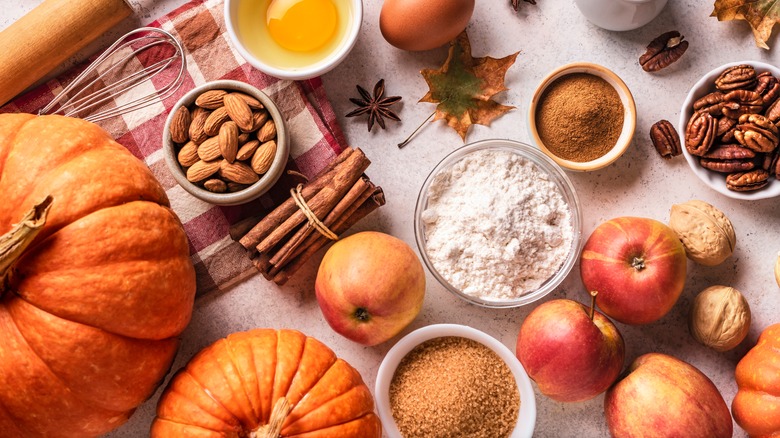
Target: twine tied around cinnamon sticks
(338, 197)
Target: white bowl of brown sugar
(455, 381)
(583, 116)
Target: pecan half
(663, 51)
(726, 129)
(738, 76)
(665, 139)
(757, 133)
(726, 166)
(700, 133)
(747, 102)
(773, 112)
(768, 87)
(747, 181)
(729, 152)
(712, 103)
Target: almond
(251, 101)
(215, 185)
(263, 157)
(197, 134)
(239, 111)
(247, 150)
(236, 187)
(237, 172)
(180, 125)
(228, 140)
(258, 120)
(188, 154)
(267, 132)
(211, 99)
(209, 150)
(202, 170)
(243, 138)
(215, 120)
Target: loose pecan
(738, 76)
(729, 152)
(726, 166)
(712, 103)
(665, 139)
(757, 133)
(700, 133)
(747, 102)
(663, 51)
(747, 181)
(768, 87)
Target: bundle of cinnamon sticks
(339, 196)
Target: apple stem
(593, 294)
(638, 263)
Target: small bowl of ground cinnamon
(583, 116)
(450, 380)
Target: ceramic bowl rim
(714, 180)
(629, 116)
(526, 420)
(266, 181)
(321, 67)
(546, 165)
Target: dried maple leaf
(762, 15)
(464, 85)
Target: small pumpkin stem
(593, 294)
(279, 413)
(14, 242)
(411, 136)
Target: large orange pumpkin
(756, 407)
(266, 382)
(90, 311)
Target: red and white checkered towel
(316, 137)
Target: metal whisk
(113, 76)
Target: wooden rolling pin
(48, 35)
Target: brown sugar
(452, 387)
(579, 117)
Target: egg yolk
(302, 25)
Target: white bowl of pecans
(454, 380)
(225, 142)
(729, 129)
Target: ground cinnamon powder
(452, 387)
(579, 117)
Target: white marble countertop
(640, 183)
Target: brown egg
(423, 24)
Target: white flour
(496, 227)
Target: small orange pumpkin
(756, 407)
(264, 383)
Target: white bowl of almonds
(225, 142)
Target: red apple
(637, 266)
(570, 356)
(370, 286)
(662, 396)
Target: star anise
(377, 107)
(516, 3)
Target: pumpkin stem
(14, 242)
(273, 429)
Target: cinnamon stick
(363, 185)
(344, 177)
(264, 227)
(280, 276)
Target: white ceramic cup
(620, 14)
(526, 420)
(309, 71)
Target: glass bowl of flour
(498, 223)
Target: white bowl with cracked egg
(486, 221)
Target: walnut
(720, 317)
(706, 233)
